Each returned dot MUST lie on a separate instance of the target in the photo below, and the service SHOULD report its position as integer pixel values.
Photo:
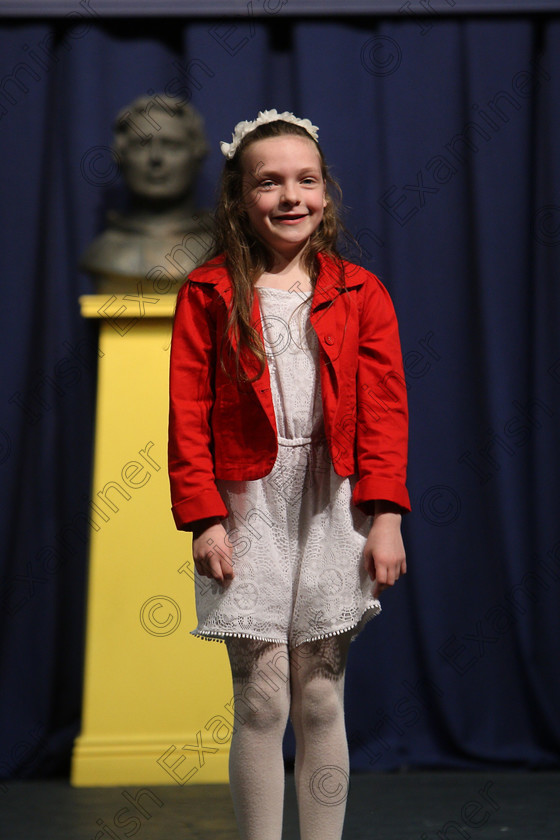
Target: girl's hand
(212, 551)
(384, 555)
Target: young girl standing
(287, 460)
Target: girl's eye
(266, 184)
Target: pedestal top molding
(128, 306)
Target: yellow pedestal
(156, 699)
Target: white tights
(307, 683)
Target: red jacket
(221, 429)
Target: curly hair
(246, 256)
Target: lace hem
(215, 636)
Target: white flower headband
(245, 127)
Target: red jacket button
(329, 339)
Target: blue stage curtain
(444, 135)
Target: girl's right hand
(213, 552)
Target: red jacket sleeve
(382, 413)
(194, 494)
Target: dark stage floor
(404, 806)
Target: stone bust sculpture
(159, 142)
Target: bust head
(160, 143)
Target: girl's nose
(289, 194)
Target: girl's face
(284, 193)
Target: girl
(287, 459)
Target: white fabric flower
(245, 127)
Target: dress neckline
(277, 289)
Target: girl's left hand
(384, 554)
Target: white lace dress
(297, 539)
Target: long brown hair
(246, 256)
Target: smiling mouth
(291, 218)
